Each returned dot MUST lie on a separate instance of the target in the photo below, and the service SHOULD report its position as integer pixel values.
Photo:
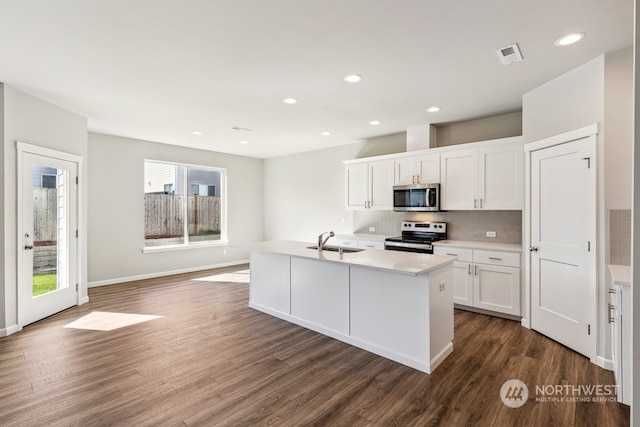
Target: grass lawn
(43, 283)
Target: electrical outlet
(442, 286)
(491, 234)
(372, 229)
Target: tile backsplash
(461, 225)
(620, 236)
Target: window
(184, 205)
(49, 181)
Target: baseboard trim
(163, 273)
(604, 363)
(5, 332)
(83, 300)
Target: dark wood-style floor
(211, 360)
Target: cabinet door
(501, 177)
(404, 173)
(462, 283)
(381, 185)
(459, 184)
(357, 184)
(497, 288)
(427, 169)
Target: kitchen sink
(337, 249)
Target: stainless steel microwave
(416, 198)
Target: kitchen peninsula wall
(462, 225)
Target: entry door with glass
(47, 239)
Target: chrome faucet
(322, 242)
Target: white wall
(305, 193)
(618, 120)
(599, 91)
(34, 121)
(116, 209)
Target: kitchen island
(398, 305)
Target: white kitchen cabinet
(422, 169)
(485, 279)
(371, 244)
(490, 177)
(619, 318)
(369, 185)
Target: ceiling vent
(509, 54)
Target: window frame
(187, 244)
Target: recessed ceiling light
(290, 100)
(433, 109)
(326, 134)
(374, 122)
(570, 39)
(197, 133)
(353, 78)
(243, 142)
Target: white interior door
(563, 249)
(47, 241)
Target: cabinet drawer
(343, 242)
(511, 259)
(463, 254)
(370, 244)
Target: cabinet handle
(495, 258)
(480, 203)
(370, 246)
(612, 291)
(612, 319)
(448, 253)
(417, 179)
(469, 269)
(475, 203)
(476, 269)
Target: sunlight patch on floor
(107, 321)
(235, 277)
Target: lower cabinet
(485, 279)
(619, 309)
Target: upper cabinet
(485, 175)
(490, 177)
(369, 185)
(422, 169)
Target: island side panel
(320, 294)
(390, 311)
(270, 282)
(441, 286)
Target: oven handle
(407, 245)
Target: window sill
(182, 247)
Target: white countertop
(620, 274)
(391, 261)
(506, 247)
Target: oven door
(424, 248)
(416, 198)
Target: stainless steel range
(417, 236)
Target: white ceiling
(161, 69)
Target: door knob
(28, 247)
(533, 249)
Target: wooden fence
(163, 215)
(45, 220)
